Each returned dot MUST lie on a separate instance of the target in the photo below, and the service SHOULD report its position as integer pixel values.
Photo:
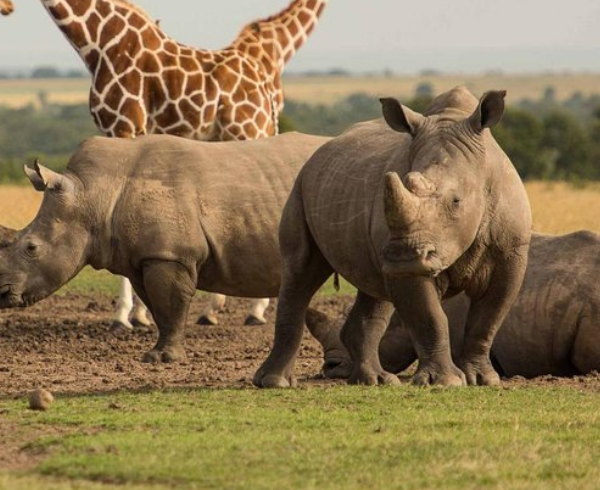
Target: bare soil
(64, 344)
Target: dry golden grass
(557, 207)
(329, 90)
(18, 205)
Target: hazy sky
(362, 35)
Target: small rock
(40, 399)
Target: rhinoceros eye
(32, 249)
(455, 203)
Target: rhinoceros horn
(7, 236)
(400, 205)
(43, 178)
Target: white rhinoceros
(409, 212)
(170, 214)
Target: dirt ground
(64, 344)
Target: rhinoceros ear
(489, 112)
(43, 178)
(400, 118)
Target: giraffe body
(145, 82)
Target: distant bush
(543, 139)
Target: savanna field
(119, 424)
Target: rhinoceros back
(175, 198)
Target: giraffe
(143, 81)
(6, 7)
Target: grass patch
(339, 437)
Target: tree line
(544, 139)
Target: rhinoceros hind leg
(337, 362)
(361, 334)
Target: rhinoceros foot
(337, 366)
(253, 320)
(267, 379)
(480, 372)
(166, 355)
(430, 374)
(372, 377)
(207, 320)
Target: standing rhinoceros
(552, 327)
(409, 212)
(170, 214)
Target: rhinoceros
(552, 327)
(409, 210)
(170, 214)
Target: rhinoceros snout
(422, 259)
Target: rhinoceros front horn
(400, 205)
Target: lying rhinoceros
(170, 214)
(552, 327)
(409, 212)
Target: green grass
(338, 437)
(90, 281)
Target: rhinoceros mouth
(9, 298)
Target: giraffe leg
(215, 305)
(257, 313)
(124, 305)
(139, 315)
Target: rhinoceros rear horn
(489, 112)
(399, 204)
(400, 118)
(43, 178)
(7, 236)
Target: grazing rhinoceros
(170, 214)
(409, 212)
(552, 327)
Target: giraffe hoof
(207, 320)
(252, 320)
(118, 329)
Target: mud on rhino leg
(485, 317)
(418, 305)
(361, 334)
(169, 288)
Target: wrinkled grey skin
(170, 214)
(551, 328)
(410, 210)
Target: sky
(360, 35)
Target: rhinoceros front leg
(169, 288)
(485, 317)
(361, 334)
(304, 270)
(418, 304)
